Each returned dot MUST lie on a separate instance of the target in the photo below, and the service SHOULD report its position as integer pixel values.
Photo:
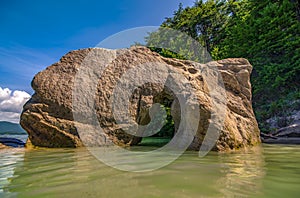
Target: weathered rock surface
(49, 121)
(285, 135)
(289, 134)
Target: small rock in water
(11, 142)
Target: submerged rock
(48, 118)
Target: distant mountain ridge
(11, 128)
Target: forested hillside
(10, 128)
(267, 33)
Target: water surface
(267, 171)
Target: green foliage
(204, 22)
(269, 37)
(167, 53)
(154, 141)
(176, 44)
(168, 129)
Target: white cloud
(10, 117)
(11, 104)
(4, 93)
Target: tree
(269, 36)
(205, 22)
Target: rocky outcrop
(49, 121)
(284, 135)
(289, 134)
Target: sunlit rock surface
(48, 117)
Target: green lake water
(266, 171)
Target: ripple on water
(269, 171)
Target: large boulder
(49, 121)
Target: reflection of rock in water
(76, 173)
(69, 173)
(9, 159)
(244, 172)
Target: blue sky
(35, 34)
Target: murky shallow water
(267, 171)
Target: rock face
(290, 134)
(49, 121)
(285, 135)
